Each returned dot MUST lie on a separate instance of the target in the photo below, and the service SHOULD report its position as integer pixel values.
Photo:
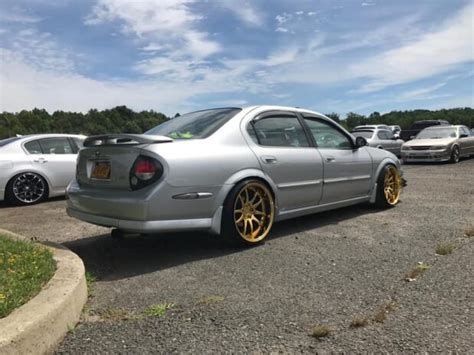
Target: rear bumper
(210, 224)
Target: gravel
(323, 269)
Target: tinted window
(6, 141)
(33, 147)
(56, 146)
(328, 136)
(195, 125)
(435, 133)
(384, 135)
(278, 131)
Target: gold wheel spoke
(251, 228)
(247, 198)
(258, 203)
(240, 219)
(260, 213)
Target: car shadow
(5, 204)
(110, 259)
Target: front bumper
(425, 156)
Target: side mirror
(360, 142)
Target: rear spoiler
(130, 139)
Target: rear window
(6, 141)
(365, 134)
(195, 125)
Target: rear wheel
(454, 155)
(26, 189)
(389, 187)
(248, 213)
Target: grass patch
(211, 299)
(91, 279)
(24, 269)
(158, 310)
(382, 312)
(359, 321)
(321, 331)
(118, 314)
(417, 271)
(469, 232)
(445, 248)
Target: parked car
(230, 171)
(381, 138)
(440, 143)
(35, 167)
(411, 133)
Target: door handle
(268, 159)
(40, 160)
(330, 158)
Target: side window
(384, 135)
(464, 130)
(33, 147)
(77, 144)
(56, 146)
(278, 131)
(326, 135)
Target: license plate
(101, 170)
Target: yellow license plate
(101, 170)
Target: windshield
(365, 134)
(6, 141)
(434, 133)
(195, 125)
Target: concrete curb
(38, 326)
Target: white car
(35, 167)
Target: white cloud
(18, 15)
(450, 45)
(244, 11)
(281, 29)
(421, 93)
(168, 23)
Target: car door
(466, 141)
(347, 170)
(57, 160)
(393, 142)
(285, 153)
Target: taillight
(145, 171)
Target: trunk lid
(106, 160)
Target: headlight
(404, 147)
(438, 147)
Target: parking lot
(324, 269)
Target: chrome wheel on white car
(26, 189)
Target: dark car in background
(418, 126)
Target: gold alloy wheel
(254, 212)
(392, 185)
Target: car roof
(50, 135)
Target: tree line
(121, 119)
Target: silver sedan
(439, 143)
(230, 171)
(35, 167)
(380, 137)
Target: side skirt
(320, 208)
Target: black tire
(117, 234)
(256, 199)
(454, 155)
(387, 199)
(26, 189)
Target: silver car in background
(439, 143)
(35, 167)
(379, 137)
(230, 171)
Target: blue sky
(182, 55)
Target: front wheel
(389, 187)
(454, 155)
(248, 213)
(26, 189)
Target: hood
(425, 142)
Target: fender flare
(382, 165)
